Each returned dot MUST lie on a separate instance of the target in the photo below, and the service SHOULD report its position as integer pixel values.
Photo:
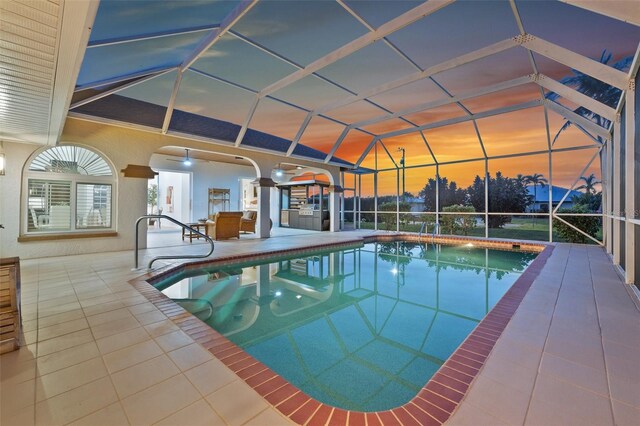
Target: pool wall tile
(440, 396)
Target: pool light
(278, 293)
(298, 296)
(394, 271)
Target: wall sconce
(3, 159)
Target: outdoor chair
(224, 226)
(248, 222)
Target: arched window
(68, 189)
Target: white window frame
(75, 179)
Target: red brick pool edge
(433, 405)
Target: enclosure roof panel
(262, 74)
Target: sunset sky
(303, 31)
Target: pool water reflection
(361, 329)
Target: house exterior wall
(120, 146)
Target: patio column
(334, 207)
(264, 186)
(263, 284)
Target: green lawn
(520, 228)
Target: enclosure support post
(630, 184)
(486, 198)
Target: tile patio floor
(99, 353)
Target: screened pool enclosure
(500, 119)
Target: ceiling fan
(186, 160)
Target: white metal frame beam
(578, 119)
(150, 36)
(574, 60)
(403, 81)
(576, 97)
(407, 18)
(234, 16)
(626, 11)
(442, 123)
(119, 88)
(122, 78)
(456, 120)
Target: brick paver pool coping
(435, 402)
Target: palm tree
(594, 88)
(536, 179)
(589, 184)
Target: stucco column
(334, 207)
(264, 186)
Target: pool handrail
(184, 226)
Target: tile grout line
(604, 356)
(555, 305)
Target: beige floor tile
(107, 298)
(625, 389)
(60, 381)
(95, 291)
(237, 402)
(30, 337)
(160, 401)
(17, 397)
(173, 340)
(60, 329)
(102, 307)
(25, 416)
(29, 325)
(576, 374)
(143, 375)
(160, 328)
(116, 314)
(132, 301)
(503, 371)
(12, 373)
(76, 403)
(470, 415)
(22, 354)
(131, 355)
(57, 301)
(504, 402)
(64, 342)
(270, 417)
(66, 358)
(572, 404)
(189, 356)
(210, 376)
(122, 340)
(114, 327)
(60, 318)
(197, 414)
(58, 309)
(142, 307)
(625, 415)
(150, 317)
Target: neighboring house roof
(542, 193)
(129, 110)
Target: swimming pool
(362, 328)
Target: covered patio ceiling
(326, 80)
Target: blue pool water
(363, 328)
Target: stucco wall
(207, 175)
(121, 146)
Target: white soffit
(41, 48)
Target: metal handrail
(422, 229)
(185, 226)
